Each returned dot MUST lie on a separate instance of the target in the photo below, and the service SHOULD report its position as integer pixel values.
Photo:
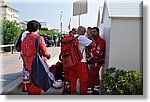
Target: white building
(23, 24)
(43, 25)
(7, 12)
(121, 27)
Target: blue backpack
(41, 76)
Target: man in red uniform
(95, 61)
(29, 50)
(66, 70)
(80, 70)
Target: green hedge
(120, 82)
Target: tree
(10, 31)
(46, 32)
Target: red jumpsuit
(28, 51)
(95, 59)
(80, 69)
(66, 77)
(26, 78)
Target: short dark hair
(70, 32)
(33, 26)
(74, 29)
(97, 29)
(89, 28)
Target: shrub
(119, 82)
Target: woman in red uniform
(29, 50)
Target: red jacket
(29, 49)
(98, 51)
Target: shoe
(57, 84)
(89, 91)
(96, 90)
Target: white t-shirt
(83, 42)
(24, 35)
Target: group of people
(52, 41)
(91, 45)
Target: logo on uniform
(98, 48)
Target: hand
(48, 57)
(92, 37)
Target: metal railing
(10, 45)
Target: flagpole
(79, 10)
(61, 21)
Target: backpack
(70, 53)
(41, 76)
(57, 70)
(18, 43)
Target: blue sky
(49, 11)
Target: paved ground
(11, 71)
(11, 67)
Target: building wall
(105, 26)
(4, 3)
(126, 44)
(7, 12)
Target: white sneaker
(57, 84)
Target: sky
(49, 11)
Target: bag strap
(37, 44)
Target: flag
(69, 24)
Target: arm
(43, 48)
(46, 54)
(87, 41)
(100, 50)
(92, 44)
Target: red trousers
(33, 90)
(66, 74)
(94, 75)
(79, 71)
(25, 87)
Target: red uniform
(28, 51)
(66, 76)
(80, 70)
(25, 86)
(66, 79)
(95, 61)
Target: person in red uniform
(94, 61)
(80, 70)
(29, 50)
(66, 70)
